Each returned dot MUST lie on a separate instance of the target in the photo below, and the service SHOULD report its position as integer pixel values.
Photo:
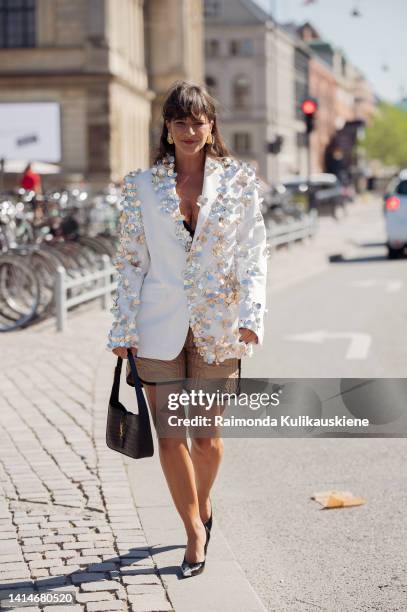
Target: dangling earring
(170, 138)
(209, 140)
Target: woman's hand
(121, 351)
(248, 336)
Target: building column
(174, 31)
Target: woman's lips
(189, 141)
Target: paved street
(67, 518)
(297, 556)
(70, 521)
(318, 307)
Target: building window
(241, 47)
(242, 143)
(212, 85)
(241, 92)
(211, 47)
(17, 23)
(212, 8)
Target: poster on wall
(30, 131)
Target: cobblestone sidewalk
(68, 522)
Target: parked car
(395, 214)
(328, 195)
(279, 205)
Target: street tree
(386, 138)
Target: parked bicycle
(65, 228)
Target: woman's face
(189, 134)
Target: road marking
(391, 286)
(395, 285)
(359, 343)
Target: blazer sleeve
(252, 258)
(132, 262)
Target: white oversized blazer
(167, 281)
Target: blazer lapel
(209, 194)
(164, 183)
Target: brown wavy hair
(186, 99)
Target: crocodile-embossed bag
(127, 432)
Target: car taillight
(392, 203)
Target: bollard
(60, 298)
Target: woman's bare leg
(206, 454)
(180, 476)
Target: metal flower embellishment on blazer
(128, 264)
(164, 182)
(221, 268)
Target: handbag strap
(114, 395)
(141, 400)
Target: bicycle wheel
(98, 246)
(44, 265)
(20, 293)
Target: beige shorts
(189, 368)
(188, 371)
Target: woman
(31, 181)
(191, 291)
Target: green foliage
(386, 138)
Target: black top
(189, 228)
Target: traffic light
(309, 108)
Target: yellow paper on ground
(337, 499)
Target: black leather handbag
(127, 432)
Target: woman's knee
(169, 445)
(207, 446)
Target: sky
(375, 39)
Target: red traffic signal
(309, 106)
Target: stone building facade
(174, 32)
(252, 70)
(102, 61)
(341, 115)
(323, 87)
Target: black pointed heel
(208, 523)
(208, 527)
(193, 569)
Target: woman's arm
(252, 258)
(131, 262)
